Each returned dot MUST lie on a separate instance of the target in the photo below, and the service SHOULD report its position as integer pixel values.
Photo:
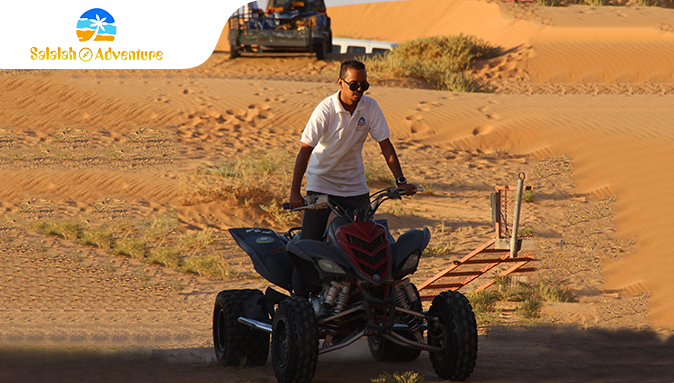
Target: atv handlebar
(376, 199)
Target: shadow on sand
(538, 354)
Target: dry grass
(165, 256)
(67, 229)
(100, 238)
(439, 250)
(208, 266)
(131, 247)
(443, 61)
(255, 181)
(397, 377)
(154, 241)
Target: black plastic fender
(408, 243)
(268, 252)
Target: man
(333, 139)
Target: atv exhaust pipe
(266, 327)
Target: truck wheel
(321, 50)
(236, 343)
(456, 334)
(233, 51)
(294, 341)
(384, 350)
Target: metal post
(516, 217)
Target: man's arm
(394, 164)
(301, 163)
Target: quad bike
(359, 273)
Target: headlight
(330, 266)
(411, 263)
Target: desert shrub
(438, 250)
(484, 307)
(483, 301)
(158, 228)
(207, 266)
(253, 180)
(67, 230)
(197, 240)
(278, 214)
(131, 247)
(100, 238)
(551, 3)
(166, 256)
(429, 189)
(525, 232)
(508, 292)
(440, 60)
(647, 3)
(531, 308)
(527, 196)
(396, 377)
(375, 172)
(553, 293)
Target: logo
(264, 240)
(361, 124)
(96, 24)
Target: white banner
(106, 34)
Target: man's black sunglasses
(354, 85)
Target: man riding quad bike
(361, 288)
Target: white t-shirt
(336, 163)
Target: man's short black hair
(350, 64)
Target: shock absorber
(343, 298)
(403, 301)
(337, 296)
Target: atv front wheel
(456, 334)
(236, 343)
(294, 341)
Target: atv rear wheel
(456, 333)
(384, 350)
(294, 341)
(236, 343)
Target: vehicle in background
(361, 47)
(285, 26)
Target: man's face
(358, 75)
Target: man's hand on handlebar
(410, 189)
(296, 200)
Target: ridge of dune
(401, 21)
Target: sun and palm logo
(98, 24)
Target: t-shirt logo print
(361, 124)
(96, 23)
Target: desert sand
(582, 105)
